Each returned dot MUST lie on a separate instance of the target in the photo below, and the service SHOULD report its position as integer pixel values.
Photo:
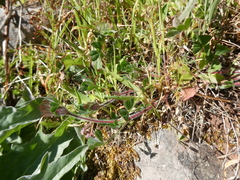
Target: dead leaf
(187, 93)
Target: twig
(219, 99)
(5, 34)
(7, 18)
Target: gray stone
(164, 158)
(20, 29)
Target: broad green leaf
(41, 169)
(188, 22)
(207, 50)
(172, 32)
(184, 73)
(125, 66)
(97, 64)
(124, 113)
(221, 50)
(13, 119)
(204, 39)
(69, 89)
(208, 78)
(14, 139)
(113, 115)
(210, 58)
(197, 47)
(164, 10)
(219, 77)
(87, 86)
(215, 66)
(129, 104)
(202, 63)
(70, 62)
(67, 60)
(50, 124)
(65, 163)
(97, 45)
(83, 99)
(226, 84)
(61, 166)
(182, 27)
(212, 78)
(98, 135)
(186, 76)
(26, 158)
(94, 55)
(93, 143)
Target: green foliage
(88, 52)
(129, 104)
(124, 113)
(201, 42)
(209, 58)
(182, 73)
(13, 119)
(69, 61)
(221, 50)
(182, 27)
(98, 135)
(46, 156)
(125, 81)
(26, 158)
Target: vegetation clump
(104, 75)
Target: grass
(88, 51)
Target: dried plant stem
(219, 99)
(5, 42)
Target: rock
(20, 20)
(164, 158)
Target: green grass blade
(125, 82)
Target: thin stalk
(112, 100)
(64, 112)
(31, 73)
(5, 43)
(154, 44)
(161, 43)
(133, 20)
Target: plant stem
(64, 112)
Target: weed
(128, 66)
